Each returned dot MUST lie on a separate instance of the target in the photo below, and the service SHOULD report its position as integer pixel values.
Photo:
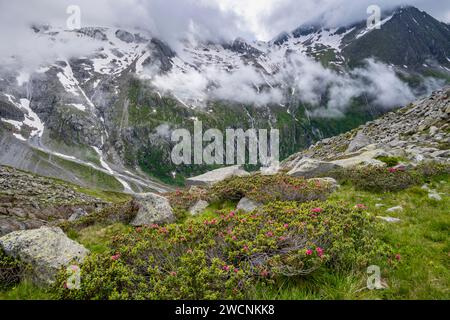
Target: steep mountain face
(105, 119)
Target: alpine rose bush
(224, 257)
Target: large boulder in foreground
(46, 250)
(310, 168)
(152, 209)
(210, 178)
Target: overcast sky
(211, 19)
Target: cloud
(327, 92)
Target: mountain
(104, 119)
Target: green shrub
(376, 179)
(380, 179)
(264, 189)
(389, 161)
(117, 213)
(223, 258)
(12, 271)
(430, 169)
(182, 200)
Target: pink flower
(316, 210)
(392, 170)
(226, 268)
(234, 238)
(264, 273)
(286, 225)
(398, 257)
(115, 257)
(189, 251)
(319, 251)
(360, 206)
(236, 270)
(245, 248)
(173, 274)
(309, 252)
(282, 238)
(269, 234)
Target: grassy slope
(421, 240)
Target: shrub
(223, 258)
(182, 200)
(117, 213)
(264, 189)
(430, 169)
(12, 271)
(389, 161)
(380, 179)
(376, 179)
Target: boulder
(78, 214)
(358, 142)
(395, 209)
(248, 205)
(152, 209)
(331, 183)
(389, 219)
(310, 168)
(212, 177)
(366, 158)
(199, 207)
(46, 250)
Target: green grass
(421, 239)
(25, 291)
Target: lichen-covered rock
(212, 177)
(330, 183)
(309, 168)
(198, 207)
(364, 159)
(248, 205)
(46, 250)
(359, 142)
(153, 209)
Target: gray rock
(78, 214)
(199, 207)
(395, 209)
(434, 196)
(125, 36)
(364, 159)
(331, 183)
(212, 177)
(310, 168)
(248, 205)
(153, 209)
(389, 219)
(359, 142)
(47, 250)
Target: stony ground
(420, 131)
(28, 201)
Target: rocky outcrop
(359, 141)
(152, 209)
(212, 177)
(28, 201)
(46, 250)
(248, 205)
(417, 132)
(198, 207)
(309, 168)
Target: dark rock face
(411, 37)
